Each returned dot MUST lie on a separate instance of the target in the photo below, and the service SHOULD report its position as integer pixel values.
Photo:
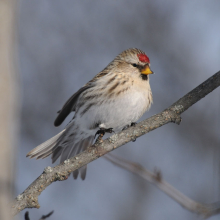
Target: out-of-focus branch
(26, 216)
(29, 198)
(205, 210)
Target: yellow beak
(147, 70)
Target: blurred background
(61, 45)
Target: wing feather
(70, 104)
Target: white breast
(122, 110)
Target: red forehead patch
(143, 58)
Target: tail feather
(75, 174)
(74, 151)
(65, 146)
(65, 152)
(56, 154)
(45, 147)
(44, 153)
(77, 151)
(80, 147)
(83, 169)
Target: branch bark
(29, 198)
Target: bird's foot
(101, 132)
(124, 128)
(133, 124)
(109, 130)
(127, 126)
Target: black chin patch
(144, 77)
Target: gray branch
(205, 210)
(26, 216)
(29, 198)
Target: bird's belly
(117, 113)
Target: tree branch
(26, 216)
(29, 198)
(205, 210)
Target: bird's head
(136, 61)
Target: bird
(114, 99)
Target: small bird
(115, 98)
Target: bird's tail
(65, 145)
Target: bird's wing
(98, 76)
(70, 104)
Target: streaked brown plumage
(114, 98)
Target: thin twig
(205, 210)
(29, 198)
(26, 216)
(46, 216)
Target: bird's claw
(109, 130)
(124, 128)
(127, 126)
(102, 131)
(133, 124)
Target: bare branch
(46, 216)
(29, 198)
(26, 216)
(205, 210)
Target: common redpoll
(116, 97)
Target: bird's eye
(134, 65)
